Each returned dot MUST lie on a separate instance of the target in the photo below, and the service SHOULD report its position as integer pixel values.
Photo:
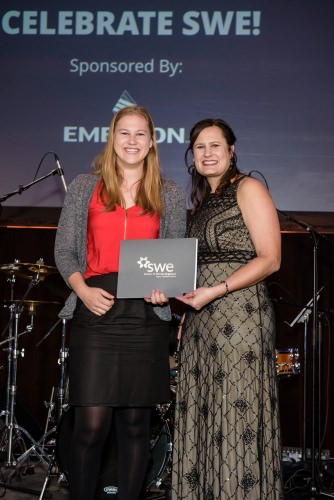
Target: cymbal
(28, 270)
(42, 269)
(10, 268)
(29, 305)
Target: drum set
(18, 446)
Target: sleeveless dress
(226, 432)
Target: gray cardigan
(70, 245)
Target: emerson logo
(97, 134)
(123, 101)
(157, 269)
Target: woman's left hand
(158, 298)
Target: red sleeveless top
(105, 230)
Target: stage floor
(31, 481)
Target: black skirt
(120, 358)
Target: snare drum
(287, 362)
(160, 452)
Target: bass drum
(160, 452)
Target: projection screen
(264, 66)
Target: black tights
(92, 425)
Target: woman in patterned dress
(226, 435)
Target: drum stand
(11, 427)
(60, 399)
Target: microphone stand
(303, 316)
(314, 484)
(37, 446)
(21, 189)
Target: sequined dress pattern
(226, 428)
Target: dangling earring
(231, 163)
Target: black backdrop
(290, 288)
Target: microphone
(60, 172)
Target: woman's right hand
(97, 300)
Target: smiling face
(132, 141)
(212, 155)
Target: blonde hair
(105, 165)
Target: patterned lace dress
(226, 433)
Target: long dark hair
(199, 184)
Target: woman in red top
(118, 363)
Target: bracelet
(226, 286)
